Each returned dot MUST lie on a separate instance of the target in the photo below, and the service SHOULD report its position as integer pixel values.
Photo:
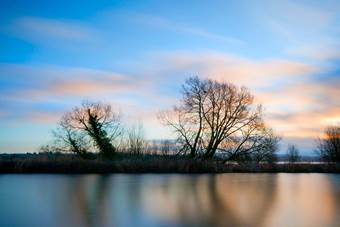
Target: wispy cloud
(317, 51)
(43, 117)
(43, 29)
(303, 110)
(166, 24)
(242, 71)
(294, 22)
(45, 81)
(86, 86)
(299, 29)
(303, 123)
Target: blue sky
(136, 54)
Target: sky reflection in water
(170, 200)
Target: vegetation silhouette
(146, 163)
(329, 147)
(293, 153)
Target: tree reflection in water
(171, 200)
(202, 200)
(213, 200)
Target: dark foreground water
(170, 200)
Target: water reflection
(170, 200)
(236, 200)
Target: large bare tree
(213, 115)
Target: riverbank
(61, 163)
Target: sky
(136, 54)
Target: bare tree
(213, 115)
(97, 121)
(329, 146)
(136, 141)
(293, 153)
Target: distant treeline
(213, 121)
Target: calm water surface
(170, 200)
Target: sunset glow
(136, 54)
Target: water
(170, 200)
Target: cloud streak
(45, 30)
(312, 21)
(166, 24)
(242, 71)
(319, 52)
(45, 81)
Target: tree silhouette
(293, 153)
(136, 140)
(329, 146)
(216, 116)
(97, 121)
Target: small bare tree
(293, 153)
(136, 141)
(329, 146)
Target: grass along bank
(125, 163)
